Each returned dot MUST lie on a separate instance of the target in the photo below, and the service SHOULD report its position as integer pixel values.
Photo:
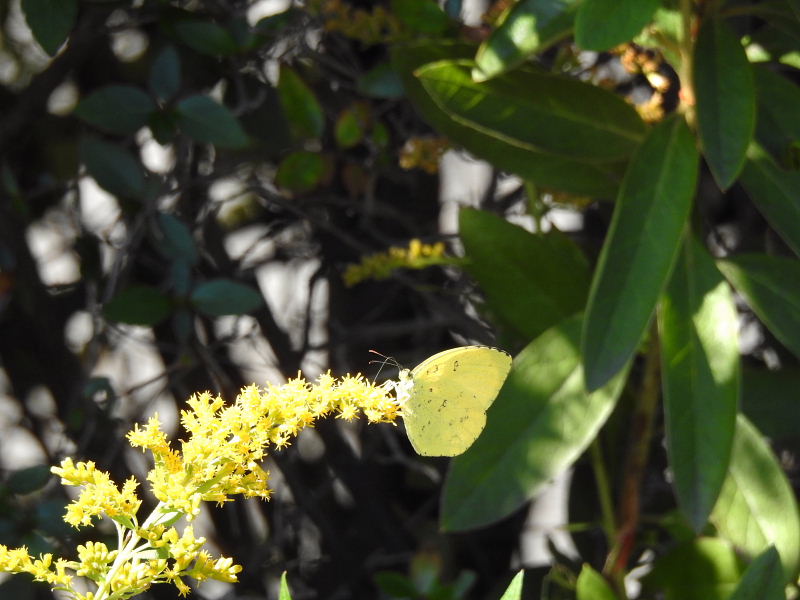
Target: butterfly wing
(450, 394)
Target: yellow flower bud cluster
(423, 153)
(374, 27)
(218, 459)
(383, 264)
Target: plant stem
(687, 57)
(635, 463)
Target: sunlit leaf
(757, 507)
(698, 327)
(540, 423)
(642, 244)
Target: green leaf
(531, 281)
(540, 423)
(349, 128)
(603, 24)
(165, 74)
(725, 96)
(301, 171)
(776, 194)
(757, 508)
(138, 305)
(537, 110)
(117, 108)
(300, 105)
(769, 400)
(545, 170)
(642, 244)
(220, 297)
(700, 366)
(769, 285)
(206, 121)
(50, 21)
(763, 579)
(395, 585)
(175, 239)
(206, 38)
(593, 586)
(514, 589)
(284, 593)
(382, 81)
(698, 569)
(31, 479)
(778, 120)
(421, 16)
(527, 27)
(114, 168)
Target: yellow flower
(219, 458)
(383, 264)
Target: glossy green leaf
(642, 244)
(725, 96)
(763, 579)
(50, 21)
(165, 74)
(300, 105)
(514, 589)
(769, 285)
(540, 423)
(776, 194)
(206, 37)
(31, 479)
(537, 110)
(301, 171)
(382, 81)
(527, 27)
(138, 305)
(113, 167)
(117, 108)
(421, 16)
(593, 586)
(698, 569)
(698, 327)
(769, 400)
(757, 507)
(603, 24)
(546, 170)
(531, 281)
(202, 119)
(220, 297)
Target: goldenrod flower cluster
(220, 458)
(382, 264)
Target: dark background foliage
(340, 516)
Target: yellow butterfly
(447, 395)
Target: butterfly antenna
(386, 359)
